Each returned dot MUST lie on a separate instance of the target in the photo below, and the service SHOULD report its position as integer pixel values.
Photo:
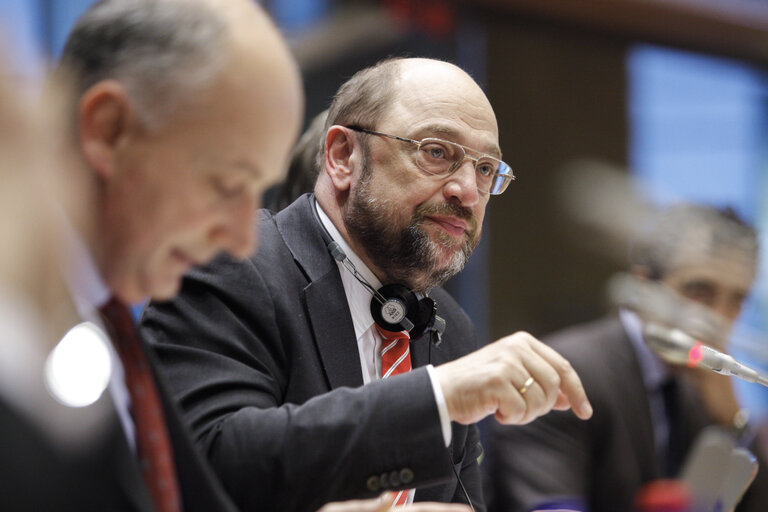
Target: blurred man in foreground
(310, 366)
(647, 414)
(182, 112)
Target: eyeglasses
(442, 157)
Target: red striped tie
(395, 354)
(154, 446)
(395, 359)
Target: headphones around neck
(394, 307)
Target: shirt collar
(358, 296)
(655, 372)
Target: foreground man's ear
(103, 117)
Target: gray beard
(407, 256)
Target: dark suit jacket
(262, 356)
(604, 460)
(101, 473)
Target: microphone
(656, 303)
(678, 347)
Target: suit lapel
(324, 298)
(333, 332)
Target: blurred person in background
(647, 413)
(295, 374)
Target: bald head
(368, 96)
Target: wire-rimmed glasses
(442, 157)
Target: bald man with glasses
(331, 365)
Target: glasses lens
(486, 169)
(501, 179)
(439, 157)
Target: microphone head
(672, 345)
(656, 303)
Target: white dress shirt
(368, 338)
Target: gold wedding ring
(525, 387)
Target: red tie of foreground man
(395, 359)
(153, 444)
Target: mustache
(447, 209)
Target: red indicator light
(694, 355)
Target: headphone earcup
(399, 303)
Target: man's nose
(462, 184)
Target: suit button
(373, 484)
(394, 479)
(384, 480)
(406, 475)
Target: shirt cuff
(442, 407)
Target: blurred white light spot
(77, 371)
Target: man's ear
(102, 115)
(342, 156)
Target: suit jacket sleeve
(224, 350)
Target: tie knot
(116, 312)
(119, 323)
(392, 335)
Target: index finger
(570, 383)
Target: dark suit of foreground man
(268, 357)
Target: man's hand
(493, 380)
(384, 504)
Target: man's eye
(485, 169)
(436, 152)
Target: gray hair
(162, 51)
(687, 229)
